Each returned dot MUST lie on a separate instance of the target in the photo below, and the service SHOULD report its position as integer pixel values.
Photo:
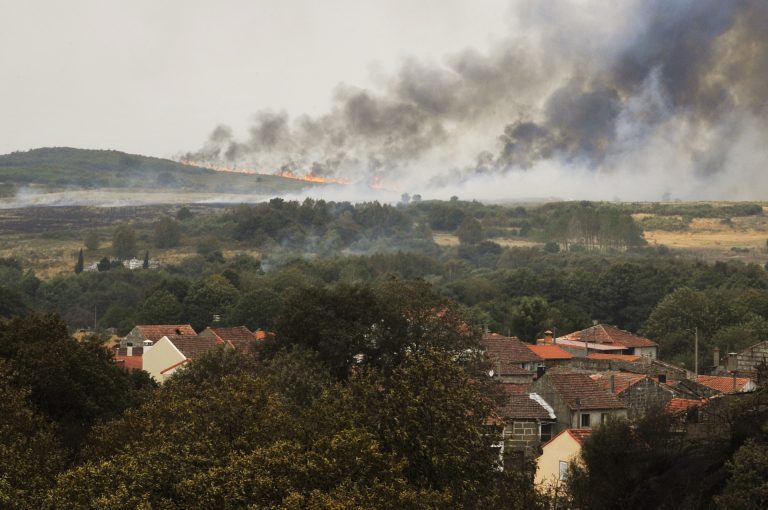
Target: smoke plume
(581, 98)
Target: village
(557, 391)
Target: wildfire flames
(282, 173)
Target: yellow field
(713, 240)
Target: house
(605, 339)
(132, 362)
(578, 400)
(511, 360)
(149, 334)
(239, 338)
(553, 464)
(552, 355)
(727, 383)
(528, 420)
(173, 351)
(639, 392)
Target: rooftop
(581, 392)
(621, 380)
(525, 406)
(550, 352)
(604, 334)
(616, 357)
(238, 337)
(192, 346)
(725, 384)
(155, 332)
(507, 351)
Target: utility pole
(696, 351)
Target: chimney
(129, 351)
(663, 378)
(731, 362)
(717, 357)
(548, 337)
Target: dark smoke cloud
(600, 92)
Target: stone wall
(644, 395)
(522, 435)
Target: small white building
(172, 352)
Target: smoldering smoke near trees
(673, 83)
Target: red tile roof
(580, 392)
(621, 380)
(238, 337)
(523, 407)
(723, 384)
(677, 405)
(508, 352)
(155, 332)
(602, 333)
(129, 362)
(192, 346)
(517, 388)
(546, 351)
(579, 434)
(617, 357)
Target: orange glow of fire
(282, 173)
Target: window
(585, 420)
(545, 432)
(603, 418)
(563, 470)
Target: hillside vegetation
(63, 167)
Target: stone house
(578, 400)
(639, 392)
(528, 421)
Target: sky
(491, 99)
(154, 77)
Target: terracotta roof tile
(129, 362)
(238, 337)
(580, 434)
(522, 406)
(677, 405)
(508, 352)
(546, 351)
(723, 384)
(517, 388)
(155, 332)
(621, 380)
(602, 333)
(617, 357)
(192, 346)
(580, 392)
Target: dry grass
(711, 239)
(452, 240)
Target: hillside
(59, 168)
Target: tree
(167, 233)
(92, 240)
(470, 231)
(31, 454)
(80, 263)
(160, 307)
(124, 242)
(183, 213)
(213, 296)
(747, 486)
(104, 264)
